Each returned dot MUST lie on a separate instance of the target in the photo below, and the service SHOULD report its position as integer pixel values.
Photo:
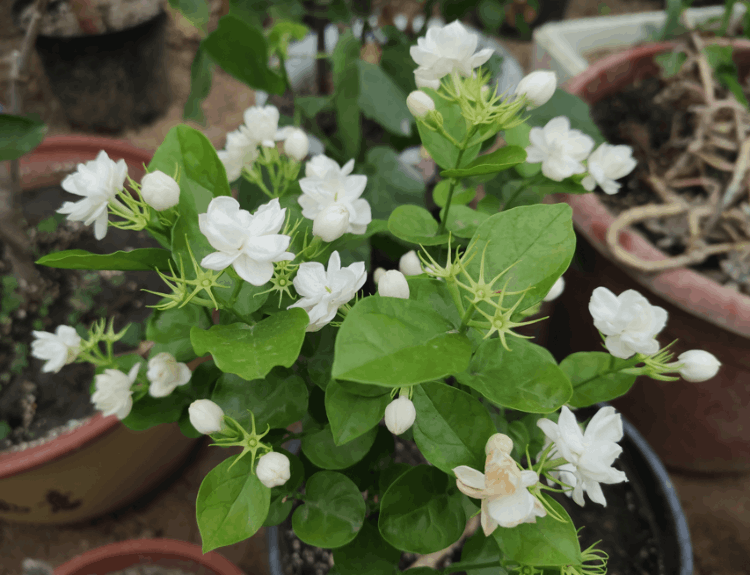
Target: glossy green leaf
(464, 221)
(321, 449)
(416, 225)
(232, 504)
(381, 99)
(492, 163)
(346, 92)
(201, 77)
(333, 512)
(170, 330)
(311, 106)
(461, 195)
(442, 150)
(480, 549)
(526, 378)
(251, 351)
(435, 294)
(352, 415)
(396, 342)
(19, 135)
(390, 183)
(368, 554)
(138, 259)
(452, 427)
(421, 512)
(596, 376)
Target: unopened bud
(420, 104)
(556, 290)
(393, 284)
(206, 416)
(297, 145)
(400, 415)
(409, 264)
(538, 87)
(377, 275)
(698, 365)
(273, 469)
(160, 191)
(331, 223)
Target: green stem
(454, 183)
(467, 318)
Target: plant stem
(461, 150)
(466, 318)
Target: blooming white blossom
(296, 145)
(629, 321)
(538, 87)
(503, 487)
(446, 50)
(160, 191)
(273, 469)
(697, 365)
(249, 243)
(331, 222)
(240, 152)
(58, 349)
(606, 164)
(206, 416)
(393, 284)
(409, 264)
(262, 125)
(98, 181)
(590, 453)
(377, 275)
(556, 290)
(113, 391)
(326, 183)
(559, 149)
(165, 373)
(419, 104)
(324, 290)
(400, 415)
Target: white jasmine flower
(249, 243)
(98, 181)
(273, 469)
(556, 290)
(400, 21)
(324, 291)
(696, 365)
(240, 152)
(58, 349)
(393, 284)
(377, 275)
(296, 145)
(417, 22)
(165, 373)
(538, 87)
(400, 415)
(326, 183)
(420, 104)
(160, 191)
(591, 454)
(409, 264)
(262, 125)
(206, 416)
(607, 164)
(503, 487)
(629, 321)
(113, 391)
(444, 51)
(331, 223)
(559, 149)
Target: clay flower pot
(693, 426)
(167, 553)
(101, 465)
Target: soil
(33, 404)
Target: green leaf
(241, 51)
(539, 240)
(195, 11)
(232, 504)
(346, 92)
(352, 415)
(251, 351)
(201, 77)
(333, 512)
(281, 504)
(670, 63)
(311, 106)
(150, 411)
(452, 428)
(395, 342)
(278, 400)
(380, 99)
(137, 259)
(461, 195)
(547, 542)
(368, 554)
(320, 448)
(596, 377)
(463, 221)
(282, 33)
(416, 225)
(421, 512)
(19, 135)
(497, 161)
(170, 330)
(527, 378)
(480, 549)
(390, 183)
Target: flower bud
(273, 469)
(331, 223)
(393, 284)
(400, 415)
(419, 104)
(698, 365)
(556, 289)
(206, 416)
(409, 264)
(377, 275)
(538, 87)
(160, 191)
(297, 145)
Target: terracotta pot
(165, 552)
(101, 465)
(694, 426)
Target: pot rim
(99, 561)
(55, 148)
(687, 289)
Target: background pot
(693, 426)
(101, 465)
(168, 553)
